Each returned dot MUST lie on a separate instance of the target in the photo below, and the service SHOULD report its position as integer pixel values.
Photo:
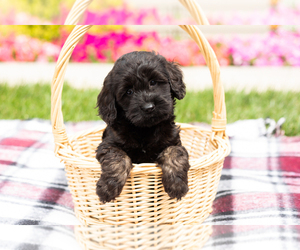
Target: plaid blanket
(257, 204)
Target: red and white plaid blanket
(257, 204)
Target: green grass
(33, 101)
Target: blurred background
(259, 69)
(230, 12)
(257, 45)
(274, 49)
(235, 45)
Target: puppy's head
(142, 86)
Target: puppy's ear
(106, 102)
(176, 82)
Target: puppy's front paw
(108, 189)
(175, 165)
(175, 187)
(115, 166)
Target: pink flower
(278, 48)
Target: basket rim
(68, 155)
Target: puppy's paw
(116, 166)
(108, 189)
(175, 165)
(176, 187)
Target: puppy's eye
(129, 92)
(152, 83)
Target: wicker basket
(143, 237)
(143, 213)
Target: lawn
(33, 101)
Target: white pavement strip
(91, 75)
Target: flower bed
(123, 15)
(119, 13)
(277, 15)
(274, 15)
(277, 48)
(26, 49)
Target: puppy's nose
(148, 107)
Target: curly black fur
(137, 103)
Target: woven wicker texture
(143, 237)
(143, 205)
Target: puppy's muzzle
(148, 107)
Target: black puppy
(137, 103)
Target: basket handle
(80, 6)
(58, 128)
(77, 11)
(196, 11)
(219, 115)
